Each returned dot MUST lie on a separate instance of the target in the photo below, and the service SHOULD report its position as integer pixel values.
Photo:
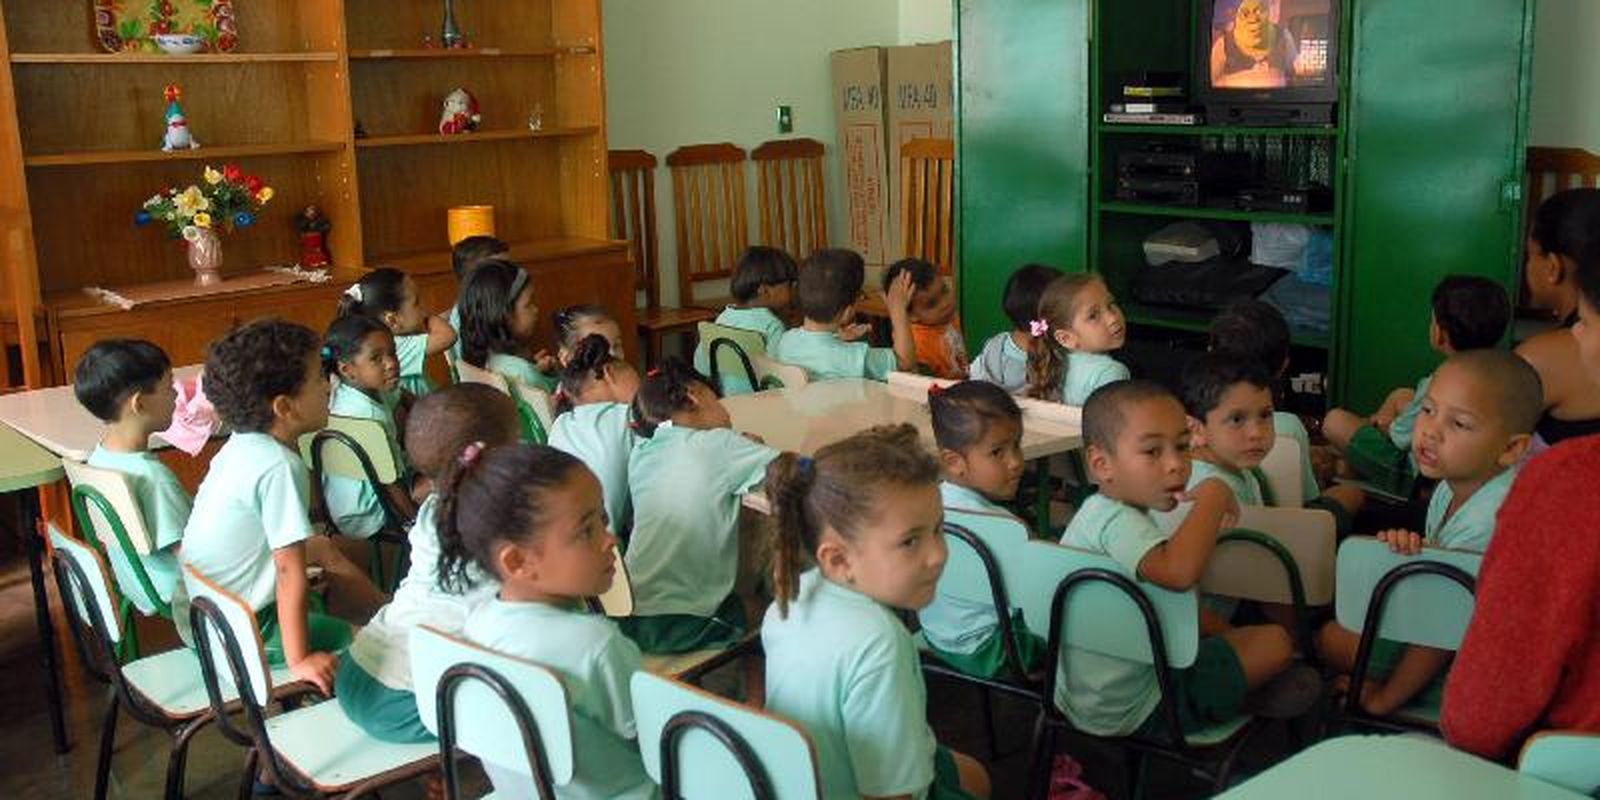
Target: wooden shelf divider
(201, 154)
(469, 138)
(165, 59)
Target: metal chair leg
(178, 759)
(1039, 762)
(108, 738)
(247, 779)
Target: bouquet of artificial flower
(227, 200)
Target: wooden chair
(700, 747)
(794, 211)
(108, 512)
(633, 216)
(1569, 759)
(927, 201)
(1553, 169)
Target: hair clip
(354, 292)
(326, 352)
(1038, 327)
(655, 372)
(470, 454)
(936, 389)
(805, 463)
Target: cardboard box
(858, 93)
(921, 98)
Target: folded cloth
(194, 420)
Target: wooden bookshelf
(79, 155)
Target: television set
(1267, 62)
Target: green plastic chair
(1569, 759)
(535, 427)
(1086, 600)
(702, 747)
(509, 712)
(361, 449)
(724, 353)
(1425, 599)
(312, 751)
(104, 504)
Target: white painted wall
(1565, 107)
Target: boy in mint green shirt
(127, 383)
(830, 282)
(763, 281)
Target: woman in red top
(1531, 657)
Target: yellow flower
(264, 195)
(191, 200)
(202, 220)
(213, 177)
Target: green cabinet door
(1437, 119)
(1022, 146)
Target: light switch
(785, 119)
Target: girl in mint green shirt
(499, 320)
(1079, 325)
(359, 351)
(840, 663)
(593, 422)
(390, 296)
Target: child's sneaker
(1292, 693)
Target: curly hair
(443, 423)
(251, 365)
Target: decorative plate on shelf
(173, 26)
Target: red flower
(253, 183)
(231, 173)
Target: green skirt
(666, 634)
(989, 660)
(386, 714)
(326, 634)
(946, 778)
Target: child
(498, 316)
(373, 685)
(251, 526)
(359, 351)
(1476, 421)
(1252, 330)
(978, 428)
(1078, 324)
(1469, 313)
(576, 323)
(829, 284)
(593, 419)
(1229, 403)
(763, 282)
(1004, 358)
(935, 329)
(464, 258)
(127, 383)
(840, 663)
(390, 296)
(686, 477)
(532, 517)
(1138, 452)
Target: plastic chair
(360, 449)
(534, 428)
(617, 601)
(105, 506)
(1085, 600)
(736, 360)
(1425, 599)
(1569, 759)
(507, 711)
(1281, 470)
(700, 747)
(313, 751)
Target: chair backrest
(505, 710)
(732, 358)
(965, 576)
(927, 201)
(534, 427)
(617, 601)
(341, 446)
(794, 211)
(1424, 599)
(537, 400)
(1281, 468)
(471, 374)
(708, 209)
(787, 376)
(1569, 759)
(701, 747)
(1252, 568)
(105, 506)
(229, 633)
(85, 590)
(633, 216)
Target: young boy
(1469, 313)
(465, 256)
(1137, 441)
(935, 329)
(1476, 421)
(128, 384)
(1004, 358)
(763, 284)
(829, 284)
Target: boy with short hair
(830, 281)
(762, 287)
(1137, 440)
(1469, 313)
(935, 328)
(1004, 358)
(127, 383)
(1475, 424)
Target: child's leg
(1339, 426)
(1263, 651)
(1417, 668)
(1212, 623)
(974, 778)
(351, 595)
(1337, 646)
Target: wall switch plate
(785, 119)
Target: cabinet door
(1437, 118)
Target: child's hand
(855, 331)
(898, 298)
(546, 363)
(316, 669)
(1404, 542)
(1382, 420)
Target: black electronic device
(1267, 62)
(1158, 190)
(1165, 175)
(1305, 200)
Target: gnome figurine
(178, 136)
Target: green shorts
(946, 778)
(666, 634)
(326, 634)
(386, 714)
(1374, 456)
(1386, 656)
(1207, 693)
(989, 660)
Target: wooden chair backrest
(1552, 169)
(708, 210)
(927, 201)
(794, 213)
(633, 216)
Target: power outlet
(785, 119)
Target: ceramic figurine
(313, 228)
(459, 113)
(178, 136)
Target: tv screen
(1271, 44)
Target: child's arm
(1178, 563)
(1395, 403)
(401, 499)
(898, 299)
(293, 628)
(441, 336)
(1417, 668)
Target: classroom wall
(926, 21)
(1565, 107)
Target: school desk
(53, 418)
(1409, 767)
(24, 467)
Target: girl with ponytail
(359, 351)
(1079, 324)
(593, 420)
(390, 297)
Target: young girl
(1079, 324)
(498, 316)
(359, 351)
(390, 296)
(840, 663)
(978, 428)
(593, 421)
(686, 477)
(373, 685)
(532, 517)
(576, 323)
(763, 283)
(465, 257)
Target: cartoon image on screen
(1269, 44)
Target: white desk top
(1391, 767)
(54, 419)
